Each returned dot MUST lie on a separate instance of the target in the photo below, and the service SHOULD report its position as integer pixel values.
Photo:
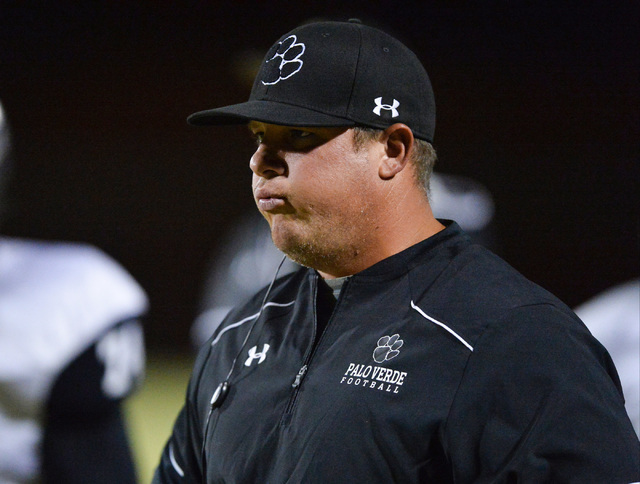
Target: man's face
(316, 190)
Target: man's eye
(258, 137)
(299, 133)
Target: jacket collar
(398, 264)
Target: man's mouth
(270, 203)
(268, 200)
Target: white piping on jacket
(442, 325)
(174, 463)
(248, 318)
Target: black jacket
(439, 364)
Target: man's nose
(267, 163)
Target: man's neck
(388, 244)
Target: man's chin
(297, 249)
(285, 238)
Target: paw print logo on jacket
(285, 62)
(387, 349)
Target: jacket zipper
(303, 370)
(297, 382)
(299, 377)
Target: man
(71, 351)
(403, 352)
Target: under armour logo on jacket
(387, 107)
(253, 355)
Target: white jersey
(56, 300)
(613, 317)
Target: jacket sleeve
(540, 402)
(180, 462)
(181, 458)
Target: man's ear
(398, 145)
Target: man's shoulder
(473, 274)
(474, 288)
(274, 297)
(211, 321)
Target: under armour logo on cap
(388, 107)
(288, 53)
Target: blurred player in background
(71, 349)
(613, 316)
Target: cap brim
(267, 112)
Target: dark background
(537, 101)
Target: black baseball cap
(326, 74)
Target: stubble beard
(335, 246)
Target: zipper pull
(299, 377)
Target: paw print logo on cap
(285, 62)
(387, 349)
